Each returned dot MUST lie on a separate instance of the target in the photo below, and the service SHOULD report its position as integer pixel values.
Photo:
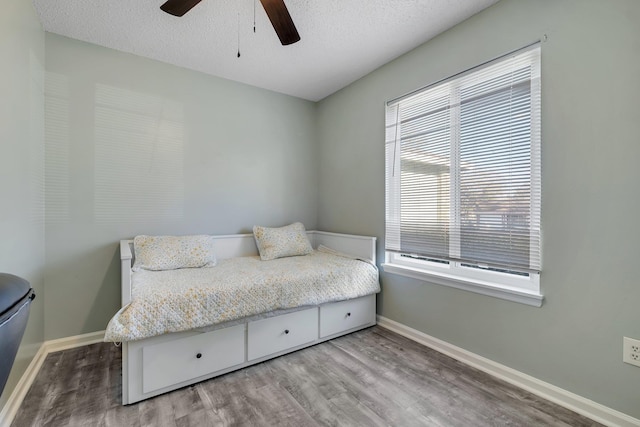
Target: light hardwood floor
(370, 378)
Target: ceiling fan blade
(179, 7)
(281, 21)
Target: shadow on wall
(107, 291)
(85, 283)
(138, 156)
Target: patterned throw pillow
(290, 240)
(173, 252)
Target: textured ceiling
(342, 40)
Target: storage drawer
(344, 315)
(268, 336)
(172, 362)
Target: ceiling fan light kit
(276, 11)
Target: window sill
(516, 295)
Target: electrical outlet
(631, 351)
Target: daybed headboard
(236, 245)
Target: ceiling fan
(276, 11)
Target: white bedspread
(180, 300)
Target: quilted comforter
(191, 298)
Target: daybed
(167, 361)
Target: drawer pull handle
(349, 314)
(198, 356)
(286, 331)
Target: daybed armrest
(125, 267)
(359, 246)
(125, 250)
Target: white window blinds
(463, 167)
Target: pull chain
(238, 34)
(254, 16)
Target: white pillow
(290, 240)
(173, 252)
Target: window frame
(522, 286)
(524, 290)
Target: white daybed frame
(167, 362)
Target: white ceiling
(341, 40)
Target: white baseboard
(20, 391)
(10, 409)
(71, 342)
(567, 399)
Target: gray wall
(22, 165)
(590, 210)
(135, 146)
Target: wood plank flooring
(370, 378)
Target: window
(463, 180)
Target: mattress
(180, 300)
